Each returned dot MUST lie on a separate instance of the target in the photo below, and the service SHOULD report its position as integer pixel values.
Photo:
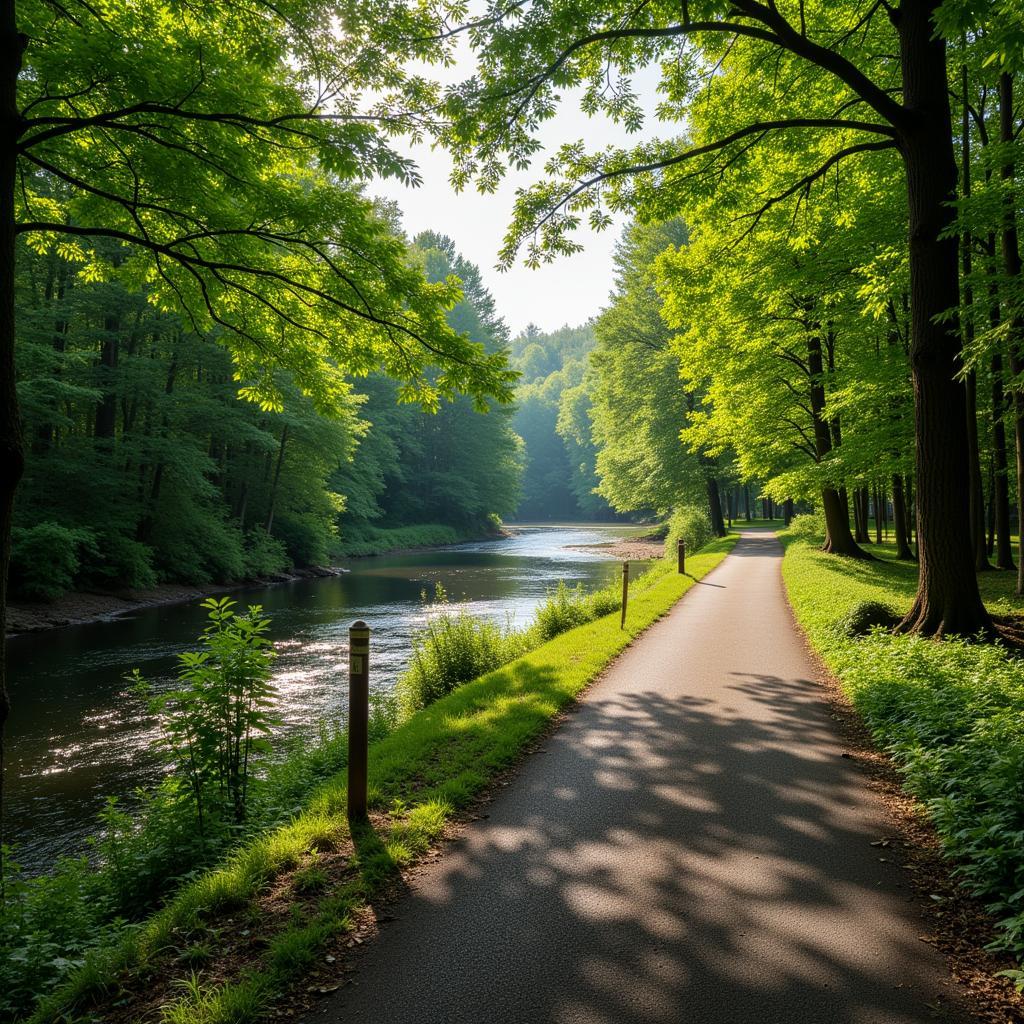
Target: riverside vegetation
(227, 801)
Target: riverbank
(79, 608)
(304, 892)
(628, 549)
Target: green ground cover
(422, 773)
(950, 713)
(375, 540)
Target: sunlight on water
(79, 732)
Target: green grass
(950, 713)
(422, 773)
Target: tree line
(145, 464)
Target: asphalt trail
(690, 847)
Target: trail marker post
(358, 716)
(681, 552)
(625, 593)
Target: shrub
(213, 727)
(866, 616)
(264, 555)
(46, 558)
(453, 648)
(692, 525)
(564, 609)
(808, 526)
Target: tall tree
(865, 79)
(252, 99)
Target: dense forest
(146, 463)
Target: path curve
(689, 847)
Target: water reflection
(78, 733)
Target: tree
(641, 405)
(795, 59)
(136, 176)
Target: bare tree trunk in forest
(947, 600)
(106, 411)
(879, 504)
(715, 508)
(1012, 269)
(838, 538)
(910, 508)
(12, 454)
(900, 519)
(860, 527)
(277, 478)
(746, 500)
(1001, 478)
(787, 511)
(991, 509)
(976, 518)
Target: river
(78, 733)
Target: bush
(46, 558)
(808, 526)
(564, 609)
(213, 727)
(264, 555)
(452, 649)
(866, 616)
(119, 561)
(690, 523)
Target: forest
(222, 358)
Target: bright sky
(568, 291)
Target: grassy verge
(237, 937)
(950, 714)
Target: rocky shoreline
(628, 549)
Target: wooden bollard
(625, 593)
(681, 552)
(358, 716)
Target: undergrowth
(950, 714)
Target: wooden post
(625, 593)
(358, 716)
(681, 552)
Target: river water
(78, 734)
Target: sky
(568, 291)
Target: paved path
(689, 848)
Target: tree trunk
(900, 520)
(787, 511)
(838, 538)
(878, 501)
(991, 509)
(277, 478)
(948, 600)
(715, 508)
(12, 455)
(746, 501)
(977, 497)
(106, 411)
(1012, 269)
(1001, 488)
